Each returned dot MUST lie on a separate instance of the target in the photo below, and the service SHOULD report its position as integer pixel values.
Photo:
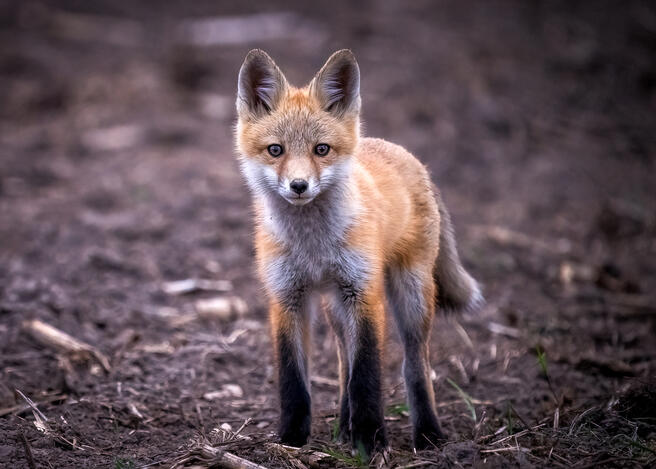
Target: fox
(351, 225)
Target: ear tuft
(337, 85)
(260, 86)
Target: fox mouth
(298, 200)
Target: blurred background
(125, 224)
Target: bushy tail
(456, 289)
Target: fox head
(296, 143)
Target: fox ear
(261, 85)
(337, 85)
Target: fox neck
(320, 224)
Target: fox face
(297, 143)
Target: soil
(117, 175)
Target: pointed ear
(337, 85)
(261, 85)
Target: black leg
(295, 418)
(365, 394)
(412, 302)
(426, 430)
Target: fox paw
(427, 438)
(369, 442)
(295, 432)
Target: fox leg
(339, 327)
(365, 403)
(291, 332)
(411, 294)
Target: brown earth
(117, 175)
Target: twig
(231, 461)
(289, 455)
(306, 456)
(61, 341)
(243, 425)
(217, 457)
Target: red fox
(355, 221)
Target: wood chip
(322, 380)
(227, 391)
(223, 308)
(500, 329)
(190, 285)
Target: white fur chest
(313, 236)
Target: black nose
(298, 185)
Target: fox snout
(298, 179)
(299, 190)
(298, 185)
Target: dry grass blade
(579, 418)
(517, 435)
(506, 449)
(467, 399)
(17, 409)
(41, 423)
(32, 405)
(63, 342)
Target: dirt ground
(118, 176)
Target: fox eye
(322, 149)
(275, 150)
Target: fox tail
(456, 288)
